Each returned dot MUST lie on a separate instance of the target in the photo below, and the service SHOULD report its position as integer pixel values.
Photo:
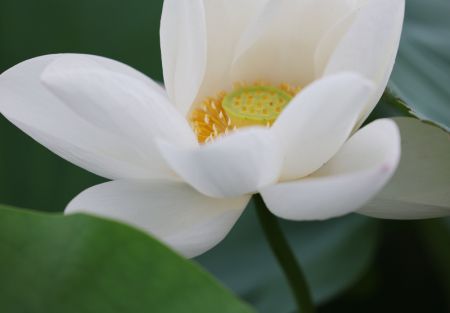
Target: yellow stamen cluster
(210, 120)
(255, 104)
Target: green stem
(285, 257)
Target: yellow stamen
(257, 104)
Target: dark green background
(409, 267)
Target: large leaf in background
(390, 105)
(81, 264)
(422, 73)
(334, 254)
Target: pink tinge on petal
(347, 182)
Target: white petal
(183, 50)
(280, 43)
(171, 211)
(355, 174)
(236, 164)
(225, 22)
(330, 40)
(370, 46)
(421, 186)
(318, 121)
(119, 104)
(27, 103)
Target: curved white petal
(115, 102)
(370, 45)
(236, 164)
(318, 121)
(26, 102)
(183, 50)
(225, 22)
(279, 44)
(171, 211)
(421, 186)
(330, 40)
(118, 104)
(347, 182)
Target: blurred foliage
(68, 264)
(390, 105)
(334, 254)
(422, 73)
(128, 31)
(406, 277)
(421, 183)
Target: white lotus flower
(261, 96)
